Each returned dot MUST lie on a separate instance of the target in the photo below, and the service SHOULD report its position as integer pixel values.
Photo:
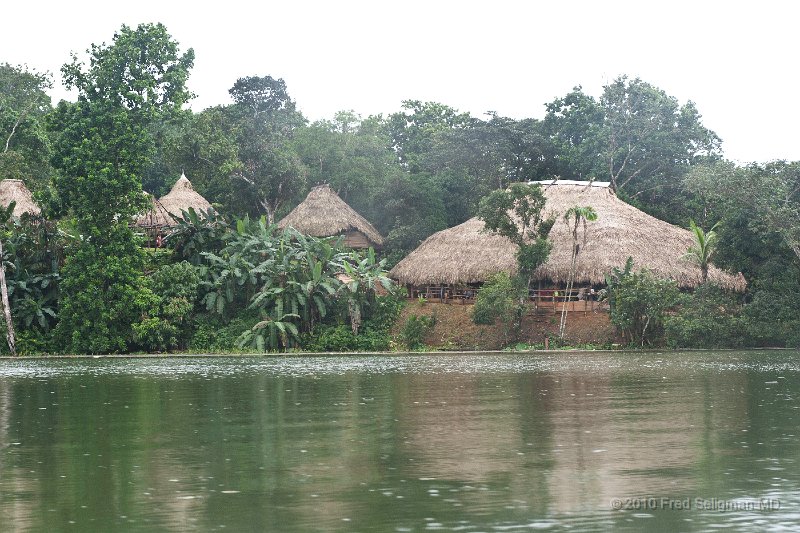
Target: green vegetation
(233, 281)
(639, 304)
(415, 329)
(575, 216)
(501, 298)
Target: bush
(341, 339)
(167, 301)
(709, 318)
(639, 302)
(415, 329)
(384, 312)
(500, 298)
(773, 315)
(211, 332)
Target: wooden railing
(580, 299)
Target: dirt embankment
(455, 330)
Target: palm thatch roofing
(155, 216)
(324, 214)
(467, 253)
(180, 198)
(16, 191)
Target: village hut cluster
(453, 263)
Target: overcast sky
(737, 61)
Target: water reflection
(498, 442)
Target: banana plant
(273, 333)
(362, 275)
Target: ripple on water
(465, 363)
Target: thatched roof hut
(324, 214)
(16, 191)
(180, 198)
(468, 254)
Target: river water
(498, 442)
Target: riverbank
(228, 355)
(453, 328)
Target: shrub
(709, 318)
(500, 298)
(415, 329)
(212, 332)
(341, 339)
(639, 302)
(167, 302)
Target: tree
(649, 137)
(205, 148)
(5, 216)
(103, 147)
(705, 244)
(769, 195)
(24, 143)
(575, 216)
(637, 137)
(413, 130)
(517, 213)
(353, 156)
(264, 118)
(575, 125)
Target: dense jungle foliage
(85, 283)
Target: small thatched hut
(324, 214)
(16, 191)
(468, 254)
(180, 198)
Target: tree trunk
(570, 282)
(6, 307)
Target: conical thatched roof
(16, 191)
(180, 198)
(467, 254)
(324, 214)
(156, 216)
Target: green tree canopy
(104, 145)
(24, 141)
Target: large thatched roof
(467, 254)
(324, 214)
(180, 198)
(16, 191)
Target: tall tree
(769, 194)
(517, 213)
(24, 143)
(264, 119)
(413, 130)
(636, 136)
(651, 139)
(575, 124)
(103, 147)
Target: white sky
(738, 61)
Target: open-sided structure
(469, 254)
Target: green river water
(690, 441)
